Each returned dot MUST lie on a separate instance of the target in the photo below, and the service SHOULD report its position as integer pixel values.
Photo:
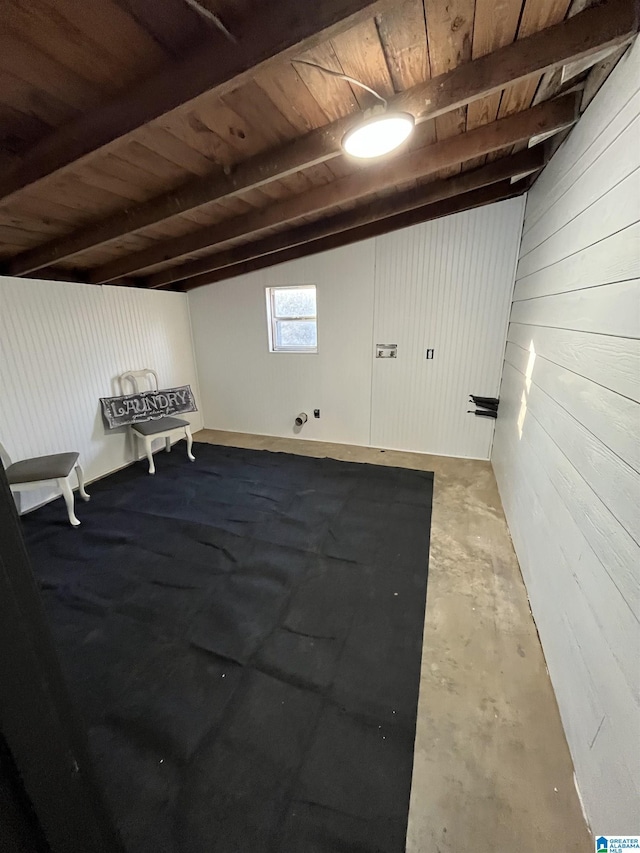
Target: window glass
(292, 319)
(294, 301)
(296, 333)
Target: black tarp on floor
(243, 637)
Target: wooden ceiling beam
(610, 23)
(447, 207)
(519, 127)
(272, 34)
(520, 164)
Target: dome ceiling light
(380, 130)
(378, 135)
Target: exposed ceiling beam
(273, 33)
(587, 32)
(72, 276)
(522, 164)
(519, 127)
(466, 201)
(612, 22)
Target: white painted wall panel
(611, 362)
(612, 419)
(605, 119)
(246, 388)
(611, 310)
(613, 166)
(445, 285)
(68, 342)
(599, 712)
(616, 258)
(595, 512)
(567, 449)
(618, 208)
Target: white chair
(42, 471)
(164, 427)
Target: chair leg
(81, 489)
(167, 444)
(187, 432)
(147, 449)
(67, 494)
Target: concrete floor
(492, 771)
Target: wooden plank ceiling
(173, 143)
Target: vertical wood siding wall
(567, 452)
(245, 388)
(61, 347)
(445, 285)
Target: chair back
(138, 378)
(4, 456)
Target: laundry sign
(147, 406)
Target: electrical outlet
(429, 354)
(316, 413)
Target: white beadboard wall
(62, 345)
(567, 450)
(445, 285)
(245, 388)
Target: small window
(292, 316)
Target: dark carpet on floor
(243, 636)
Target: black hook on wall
(487, 406)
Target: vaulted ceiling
(174, 143)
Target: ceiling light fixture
(379, 132)
(378, 135)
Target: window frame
(273, 319)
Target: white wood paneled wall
(445, 285)
(567, 449)
(245, 388)
(61, 347)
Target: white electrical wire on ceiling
(341, 76)
(379, 131)
(211, 16)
